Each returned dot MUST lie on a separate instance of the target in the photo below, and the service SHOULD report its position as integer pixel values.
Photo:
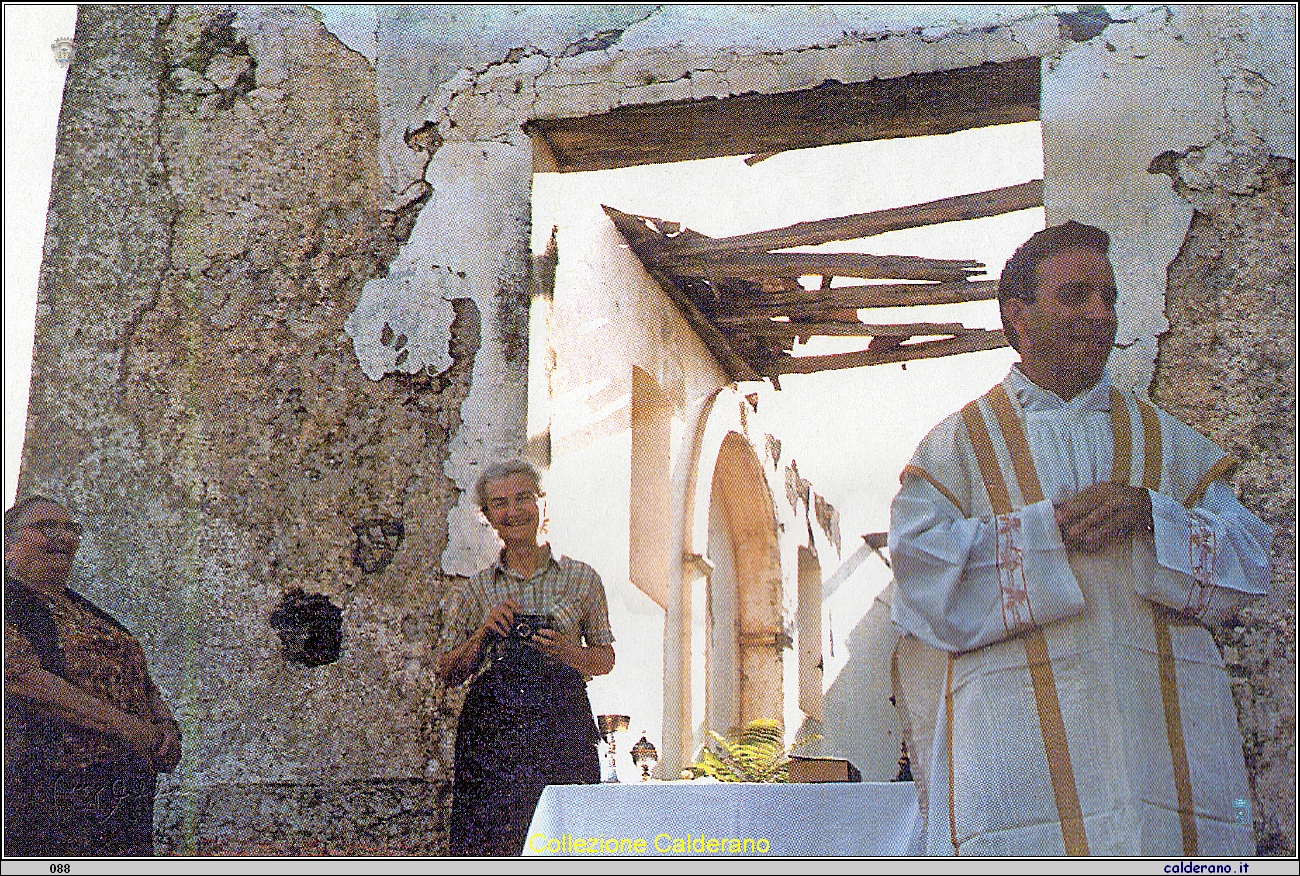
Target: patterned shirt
(98, 656)
(568, 591)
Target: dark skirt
(102, 810)
(527, 723)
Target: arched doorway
(746, 637)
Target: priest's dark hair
(1019, 278)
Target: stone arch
(746, 636)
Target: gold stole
(1039, 662)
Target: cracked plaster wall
(1158, 83)
(462, 81)
(218, 208)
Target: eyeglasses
(53, 528)
(501, 503)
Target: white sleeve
(1211, 559)
(965, 583)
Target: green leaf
(756, 754)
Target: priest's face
(1066, 334)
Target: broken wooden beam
(979, 205)
(973, 341)
(911, 295)
(761, 266)
(919, 104)
(883, 295)
(638, 235)
(774, 328)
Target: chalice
(609, 725)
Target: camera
(525, 625)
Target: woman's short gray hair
(498, 470)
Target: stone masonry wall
(196, 399)
(1227, 366)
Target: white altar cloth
(679, 819)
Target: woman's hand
(499, 620)
(456, 665)
(156, 742)
(168, 754)
(143, 737)
(590, 661)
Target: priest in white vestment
(1058, 547)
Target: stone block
(796, 71)
(959, 50)
(753, 73)
(851, 62)
(896, 56)
(708, 83)
(575, 100)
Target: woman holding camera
(530, 629)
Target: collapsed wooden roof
(742, 294)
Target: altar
(724, 819)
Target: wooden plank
(780, 265)
(749, 345)
(974, 206)
(883, 295)
(919, 104)
(972, 342)
(768, 327)
(915, 295)
(637, 234)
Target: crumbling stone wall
(220, 207)
(1227, 366)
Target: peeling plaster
(1158, 85)
(355, 25)
(492, 101)
(1109, 107)
(477, 221)
(773, 29)
(402, 322)
(522, 67)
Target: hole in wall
(310, 628)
